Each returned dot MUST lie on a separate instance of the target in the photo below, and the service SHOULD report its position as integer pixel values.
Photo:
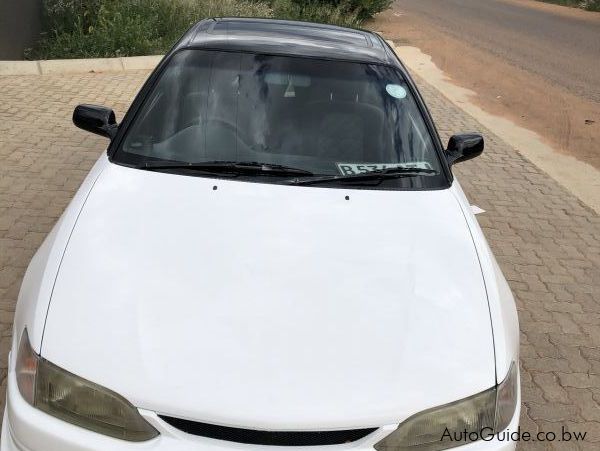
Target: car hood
(271, 306)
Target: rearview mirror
(96, 119)
(464, 147)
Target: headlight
(76, 400)
(451, 425)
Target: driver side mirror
(96, 119)
(464, 147)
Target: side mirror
(96, 119)
(464, 147)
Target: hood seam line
(485, 285)
(63, 256)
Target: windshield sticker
(363, 168)
(396, 91)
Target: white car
(272, 252)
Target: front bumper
(25, 428)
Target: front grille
(274, 438)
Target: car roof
(285, 37)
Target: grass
(314, 11)
(108, 28)
(590, 5)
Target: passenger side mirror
(96, 119)
(464, 147)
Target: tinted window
(323, 116)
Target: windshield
(324, 117)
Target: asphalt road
(563, 48)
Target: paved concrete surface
(546, 241)
(560, 47)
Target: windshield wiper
(233, 167)
(377, 176)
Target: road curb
(79, 66)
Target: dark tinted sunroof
(305, 31)
(304, 39)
